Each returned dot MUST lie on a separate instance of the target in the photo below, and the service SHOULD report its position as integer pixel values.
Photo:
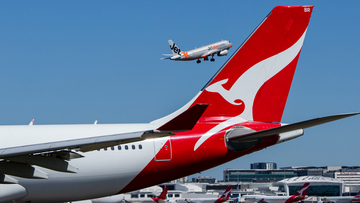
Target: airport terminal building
(319, 185)
(324, 181)
(348, 176)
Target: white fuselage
(344, 199)
(194, 200)
(101, 173)
(269, 199)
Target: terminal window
(323, 190)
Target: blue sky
(74, 62)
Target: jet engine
(11, 192)
(223, 52)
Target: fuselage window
(142, 195)
(133, 146)
(119, 147)
(112, 148)
(126, 147)
(105, 148)
(140, 146)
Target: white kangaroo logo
(301, 191)
(245, 88)
(226, 94)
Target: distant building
(263, 165)
(319, 186)
(204, 179)
(257, 175)
(267, 172)
(349, 174)
(181, 180)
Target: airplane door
(163, 150)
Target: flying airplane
(343, 199)
(298, 196)
(121, 198)
(236, 113)
(224, 197)
(220, 48)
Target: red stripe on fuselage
(186, 161)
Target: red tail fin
(225, 196)
(164, 192)
(162, 196)
(299, 195)
(303, 190)
(254, 83)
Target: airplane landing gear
(212, 59)
(206, 59)
(198, 61)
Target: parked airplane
(343, 199)
(229, 118)
(224, 197)
(162, 197)
(121, 199)
(220, 48)
(298, 196)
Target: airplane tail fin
(174, 48)
(254, 83)
(299, 195)
(303, 190)
(162, 196)
(225, 196)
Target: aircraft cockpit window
(126, 147)
(133, 146)
(119, 147)
(177, 195)
(140, 146)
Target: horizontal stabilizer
(186, 120)
(290, 127)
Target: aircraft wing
(183, 122)
(17, 160)
(211, 52)
(288, 128)
(83, 144)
